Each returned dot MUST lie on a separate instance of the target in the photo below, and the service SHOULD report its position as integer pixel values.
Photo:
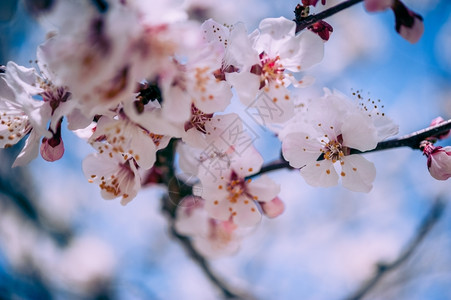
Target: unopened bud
(273, 208)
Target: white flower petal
(246, 213)
(300, 149)
(218, 209)
(30, 151)
(321, 173)
(263, 189)
(359, 133)
(357, 173)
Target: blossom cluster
(127, 83)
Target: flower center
(333, 150)
(270, 69)
(236, 187)
(198, 120)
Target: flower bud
(439, 160)
(408, 24)
(273, 208)
(445, 134)
(322, 28)
(52, 149)
(377, 5)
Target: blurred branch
(433, 216)
(312, 19)
(170, 202)
(412, 141)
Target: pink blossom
(230, 195)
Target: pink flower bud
(377, 5)
(52, 149)
(439, 160)
(408, 24)
(437, 121)
(322, 28)
(273, 208)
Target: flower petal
(321, 173)
(357, 173)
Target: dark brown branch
(312, 19)
(433, 216)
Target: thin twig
(312, 19)
(433, 216)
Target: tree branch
(312, 19)
(433, 216)
(412, 140)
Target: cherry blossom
(115, 177)
(336, 126)
(277, 51)
(20, 114)
(229, 194)
(213, 238)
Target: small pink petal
(273, 208)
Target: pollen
(343, 174)
(220, 187)
(250, 169)
(328, 171)
(216, 202)
(354, 169)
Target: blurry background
(59, 239)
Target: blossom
(438, 160)
(127, 139)
(211, 237)
(277, 51)
(115, 177)
(20, 114)
(230, 194)
(336, 126)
